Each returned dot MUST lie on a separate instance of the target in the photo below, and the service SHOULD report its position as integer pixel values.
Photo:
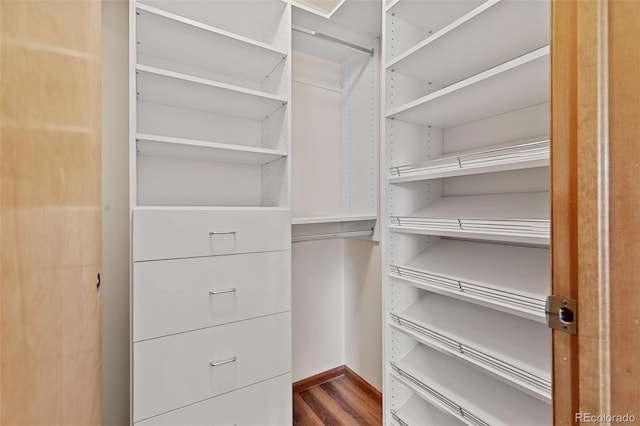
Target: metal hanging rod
(346, 234)
(331, 39)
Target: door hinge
(562, 314)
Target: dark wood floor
(336, 402)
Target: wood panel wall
(50, 212)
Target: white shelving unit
(210, 86)
(424, 18)
(163, 146)
(466, 392)
(257, 20)
(309, 220)
(165, 87)
(486, 25)
(495, 158)
(512, 85)
(335, 123)
(467, 211)
(417, 411)
(512, 279)
(505, 217)
(335, 186)
(163, 36)
(493, 341)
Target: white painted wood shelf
(253, 19)
(513, 85)
(503, 217)
(513, 279)
(514, 350)
(164, 146)
(495, 158)
(417, 411)
(431, 60)
(471, 395)
(169, 36)
(331, 219)
(160, 86)
(209, 208)
(430, 15)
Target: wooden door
(596, 200)
(50, 198)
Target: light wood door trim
(564, 203)
(624, 205)
(595, 198)
(50, 196)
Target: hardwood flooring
(335, 403)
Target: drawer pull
(222, 233)
(226, 361)
(228, 290)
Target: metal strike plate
(562, 314)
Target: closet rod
(331, 39)
(346, 234)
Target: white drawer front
(172, 372)
(264, 404)
(173, 296)
(171, 234)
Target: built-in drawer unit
(175, 371)
(265, 404)
(190, 232)
(173, 296)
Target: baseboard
(363, 384)
(334, 373)
(318, 379)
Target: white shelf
(331, 219)
(504, 217)
(171, 88)
(431, 15)
(514, 279)
(495, 158)
(253, 19)
(515, 350)
(501, 30)
(209, 208)
(416, 411)
(516, 84)
(166, 35)
(163, 146)
(472, 396)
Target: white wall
(317, 307)
(317, 266)
(115, 214)
(363, 310)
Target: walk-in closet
(319, 212)
(329, 188)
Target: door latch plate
(562, 314)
